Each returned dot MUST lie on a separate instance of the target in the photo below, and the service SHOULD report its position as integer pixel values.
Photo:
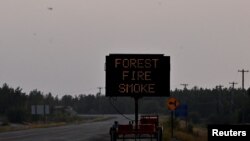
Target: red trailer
(148, 128)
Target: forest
(205, 106)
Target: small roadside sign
(172, 103)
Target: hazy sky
(59, 46)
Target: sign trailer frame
(137, 76)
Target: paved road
(96, 131)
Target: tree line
(204, 105)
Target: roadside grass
(98, 119)
(185, 136)
(40, 124)
(26, 126)
(182, 132)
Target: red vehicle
(148, 128)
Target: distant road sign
(33, 110)
(172, 103)
(137, 75)
(40, 110)
(182, 111)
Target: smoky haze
(59, 46)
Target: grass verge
(182, 132)
(79, 120)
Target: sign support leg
(172, 124)
(136, 115)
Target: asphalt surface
(95, 131)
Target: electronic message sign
(137, 75)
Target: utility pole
(185, 86)
(219, 87)
(243, 71)
(233, 83)
(100, 90)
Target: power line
(243, 71)
(116, 109)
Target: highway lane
(95, 131)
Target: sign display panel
(137, 75)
